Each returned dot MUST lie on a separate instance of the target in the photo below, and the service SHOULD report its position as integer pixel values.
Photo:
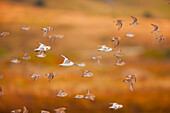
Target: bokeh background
(85, 25)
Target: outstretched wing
(134, 19)
(155, 27)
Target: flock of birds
(42, 49)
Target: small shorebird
(87, 73)
(134, 21)
(35, 76)
(104, 48)
(1, 76)
(81, 64)
(118, 53)
(26, 28)
(44, 111)
(42, 47)
(117, 40)
(119, 24)
(4, 34)
(133, 77)
(131, 35)
(60, 110)
(66, 62)
(16, 111)
(119, 62)
(89, 95)
(25, 110)
(79, 96)
(41, 54)
(61, 93)
(156, 30)
(160, 38)
(53, 37)
(46, 30)
(130, 82)
(115, 106)
(26, 56)
(50, 76)
(15, 60)
(97, 59)
(1, 93)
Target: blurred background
(85, 25)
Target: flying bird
(133, 77)
(50, 76)
(130, 82)
(1, 93)
(79, 96)
(26, 28)
(25, 110)
(119, 24)
(42, 47)
(61, 93)
(66, 62)
(134, 21)
(156, 30)
(131, 35)
(26, 56)
(97, 59)
(89, 95)
(81, 64)
(60, 110)
(118, 53)
(46, 30)
(41, 54)
(160, 38)
(44, 111)
(35, 76)
(115, 106)
(1, 76)
(117, 40)
(119, 62)
(15, 60)
(16, 111)
(53, 37)
(87, 73)
(4, 34)
(104, 48)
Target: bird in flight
(119, 24)
(53, 37)
(26, 28)
(131, 35)
(4, 34)
(60, 110)
(156, 30)
(35, 76)
(97, 59)
(66, 62)
(44, 111)
(15, 60)
(115, 106)
(46, 30)
(89, 95)
(1, 92)
(42, 47)
(87, 73)
(134, 21)
(104, 48)
(26, 56)
(50, 76)
(61, 93)
(119, 62)
(131, 80)
(160, 38)
(16, 111)
(25, 110)
(117, 40)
